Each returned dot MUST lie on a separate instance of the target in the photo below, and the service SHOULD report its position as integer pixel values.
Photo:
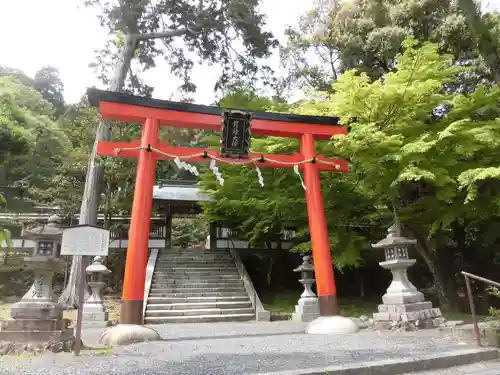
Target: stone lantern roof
(306, 265)
(393, 240)
(97, 266)
(51, 230)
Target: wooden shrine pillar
(140, 222)
(322, 257)
(213, 236)
(168, 227)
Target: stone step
(195, 256)
(198, 282)
(194, 251)
(194, 278)
(202, 256)
(191, 293)
(194, 272)
(173, 271)
(220, 263)
(195, 269)
(209, 299)
(200, 318)
(196, 312)
(197, 288)
(195, 264)
(198, 285)
(199, 305)
(199, 259)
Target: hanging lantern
(235, 134)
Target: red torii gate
(153, 113)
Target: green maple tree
(430, 151)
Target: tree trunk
(361, 279)
(93, 181)
(274, 253)
(443, 297)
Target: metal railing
(472, 306)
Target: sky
(63, 34)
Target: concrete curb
(402, 365)
(490, 334)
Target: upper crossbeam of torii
(154, 113)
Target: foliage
(366, 35)
(46, 81)
(5, 235)
(494, 312)
(17, 73)
(50, 85)
(35, 145)
(486, 34)
(214, 28)
(437, 150)
(434, 148)
(189, 232)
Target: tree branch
(164, 34)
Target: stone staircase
(196, 285)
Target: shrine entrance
(235, 128)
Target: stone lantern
(402, 302)
(94, 312)
(37, 317)
(307, 308)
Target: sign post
(83, 240)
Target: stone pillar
(403, 304)
(94, 312)
(307, 308)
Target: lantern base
(410, 316)
(38, 323)
(125, 334)
(332, 325)
(307, 309)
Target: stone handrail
(261, 314)
(150, 269)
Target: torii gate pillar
(323, 266)
(138, 238)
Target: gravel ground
(232, 348)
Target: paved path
(233, 348)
